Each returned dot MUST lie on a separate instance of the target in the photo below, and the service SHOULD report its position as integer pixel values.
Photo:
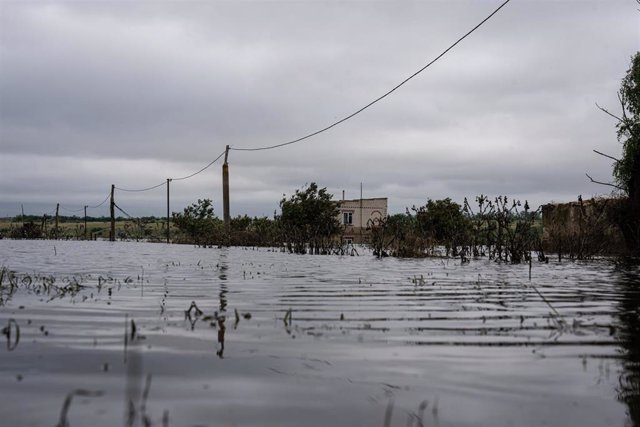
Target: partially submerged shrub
(501, 229)
(28, 230)
(309, 221)
(198, 224)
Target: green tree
(626, 170)
(444, 222)
(199, 223)
(309, 218)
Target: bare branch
(607, 112)
(604, 183)
(624, 119)
(606, 155)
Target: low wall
(583, 227)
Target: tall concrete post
(112, 232)
(168, 217)
(225, 190)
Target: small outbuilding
(583, 228)
(357, 214)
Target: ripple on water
(316, 340)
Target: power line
(344, 119)
(82, 208)
(141, 189)
(172, 179)
(71, 210)
(201, 170)
(102, 203)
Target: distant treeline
(498, 228)
(72, 219)
(308, 223)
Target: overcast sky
(131, 93)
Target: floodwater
(317, 340)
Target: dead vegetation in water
(414, 418)
(66, 405)
(11, 282)
(12, 332)
(133, 410)
(53, 287)
(217, 320)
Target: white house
(357, 214)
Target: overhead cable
(344, 119)
(172, 179)
(71, 210)
(101, 203)
(141, 189)
(201, 170)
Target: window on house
(347, 218)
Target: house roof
(364, 200)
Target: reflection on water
(315, 340)
(224, 267)
(629, 334)
(223, 264)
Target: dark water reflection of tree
(223, 268)
(629, 336)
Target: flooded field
(166, 335)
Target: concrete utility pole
(168, 217)
(225, 190)
(112, 233)
(85, 222)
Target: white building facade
(357, 214)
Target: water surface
(317, 340)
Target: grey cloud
(510, 110)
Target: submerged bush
(28, 230)
(443, 223)
(499, 229)
(198, 225)
(309, 221)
